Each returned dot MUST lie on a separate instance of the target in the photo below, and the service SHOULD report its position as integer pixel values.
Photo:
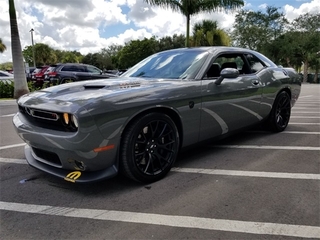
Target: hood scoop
(95, 86)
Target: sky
(90, 25)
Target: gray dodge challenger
(136, 124)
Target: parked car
(6, 75)
(29, 73)
(72, 72)
(50, 70)
(137, 123)
(38, 76)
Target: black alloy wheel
(281, 111)
(149, 148)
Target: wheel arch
(287, 90)
(164, 110)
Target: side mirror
(227, 73)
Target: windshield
(179, 64)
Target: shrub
(6, 88)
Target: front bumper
(75, 176)
(64, 153)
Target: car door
(82, 73)
(235, 102)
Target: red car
(39, 76)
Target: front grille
(46, 119)
(47, 156)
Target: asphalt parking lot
(255, 185)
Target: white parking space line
(305, 176)
(262, 228)
(12, 146)
(297, 123)
(13, 160)
(299, 148)
(293, 132)
(9, 115)
(296, 112)
(306, 108)
(306, 96)
(304, 117)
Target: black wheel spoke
(281, 111)
(155, 145)
(150, 147)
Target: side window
(236, 61)
(93, 70)
(254, 63)
(81, 69)
(69, 68)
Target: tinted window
(171, 64)
(254, 63)
(72, 68)
(234, 60)
(93, 69)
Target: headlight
(75, 121)
(70, 120)
(66, 118)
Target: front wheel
(280, 113)
(149, 148)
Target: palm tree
(207, 33)
(20, 81)
(2, 46)
(192, 7)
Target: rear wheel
(149, 148)
(280, 113)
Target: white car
(5, 75)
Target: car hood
(73, 96)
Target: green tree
(70, 57)
(207, 33)
(192, 7)
(135, 51)
(20, 81)
(168, 42)
(27, 54)
(255, 30)
(6, 66)
(299, 45)
(113, 53)
(2, 46)
(44, 54)
(307, 26)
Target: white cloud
(81, 24)
(310, 7)
(263, 6)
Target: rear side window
(93, 69)
(69, 68)
(72, 68)
(254, 63)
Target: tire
(280, 113)
(149, 148)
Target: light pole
(34, 59)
